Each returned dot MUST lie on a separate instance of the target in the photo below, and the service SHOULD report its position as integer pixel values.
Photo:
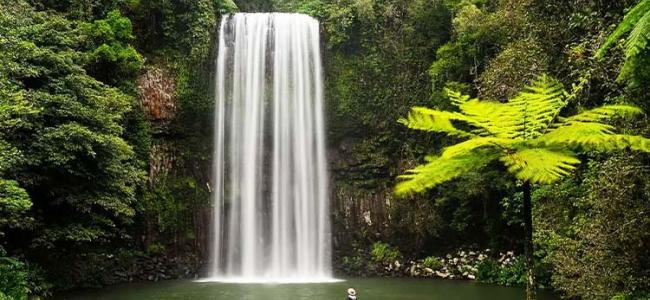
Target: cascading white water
(271, 207)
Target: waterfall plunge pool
(367, 289)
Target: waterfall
(271, 206)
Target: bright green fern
(637, 23)
(527, 134)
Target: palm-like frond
(636, 20)
(585, 130)
(523, 117)
(438, 170)
(526, 134)
(539, 165)
(637, 23)
(603, 113)
(491, 118)
(422, 118)
(592, 136)
(464, 148)
(634, 142)
(539, 104)
(638, 38)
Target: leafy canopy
(527, 134)
(62, 146)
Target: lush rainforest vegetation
(106, 116)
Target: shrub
(488, 271)
(513, 273)
(433, 263)
(638, 295)
(491, 271)
(13, 278)
(37, 281)
(384, 253)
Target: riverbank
(487, 266)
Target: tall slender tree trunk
(531, 290)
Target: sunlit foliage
(527, 134)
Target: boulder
(443, 275)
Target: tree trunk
(531, 291)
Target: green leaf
(631, 21)
(539, 165)
(604, 113)
(592, 136)
(438, 170)
(422, 118)
(465, 147)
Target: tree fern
(526, 116)
(527, 134)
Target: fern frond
(634, 142)
(603, 113)
(526, 134)
(586, 134)
(523, 117)
(492, 118)
(438, 170)
(456, 98)
(630, 22)
(463, 148)
(638, 38)
(540, 103)
(539, 165)
(426, 119)
(592, 136)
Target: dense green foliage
(78, 208)
(496, 65)
(432, 262)
(13, 278)
(75, 144)
(593, 233)
(72, 167)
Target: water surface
(368, 289)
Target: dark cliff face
(176, 202)
(156, 95)
(373, 75)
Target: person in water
(352, 294)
